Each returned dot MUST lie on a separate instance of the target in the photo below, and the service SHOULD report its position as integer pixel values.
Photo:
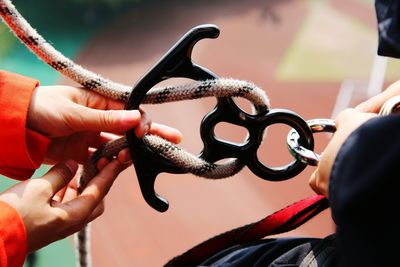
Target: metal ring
(392, 105)
(303, 154)
(290, 118)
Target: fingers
(166, 132)
(144, 125)
(124, 156)
(96, 189)
(59, 196)
(101, 163)
(97, 101)
(97, 211)
(346, 122)
(113, 121)
(119, 121)
(314, 183)
(60, 175)
(375, 103)
(71, 191)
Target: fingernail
(130, 117)
(71, 165)
(146, 129)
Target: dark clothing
(388, 17)
(364, 194)
(279, 252)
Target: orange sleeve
(22, 150)
(13, 241)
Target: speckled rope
(92, 81)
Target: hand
(346, 122)
(75, 120)
(50, 207)
(375, 103)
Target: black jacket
(388, 17)
(364, 194)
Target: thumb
(113, 121)
(317, 184)
(60, 175)
(312, 182)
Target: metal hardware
(177, 62)
(302, 153)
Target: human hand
(75, 119)
(375, 103)
(346, 122)
(50, 206)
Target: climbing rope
(92, 81)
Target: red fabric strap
(281, 221)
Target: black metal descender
(177, 62)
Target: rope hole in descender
(177, 63)
(223, 129)
(231, 133)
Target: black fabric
(388, 17)
(364, 194)
(282, 252)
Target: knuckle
(62, 216)
(76, 218)
(74, 119)
(107, 117)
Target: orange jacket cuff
(13, 240)
(23, 150)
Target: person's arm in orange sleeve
(56, 125)
(23, 150)
(13, 239)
